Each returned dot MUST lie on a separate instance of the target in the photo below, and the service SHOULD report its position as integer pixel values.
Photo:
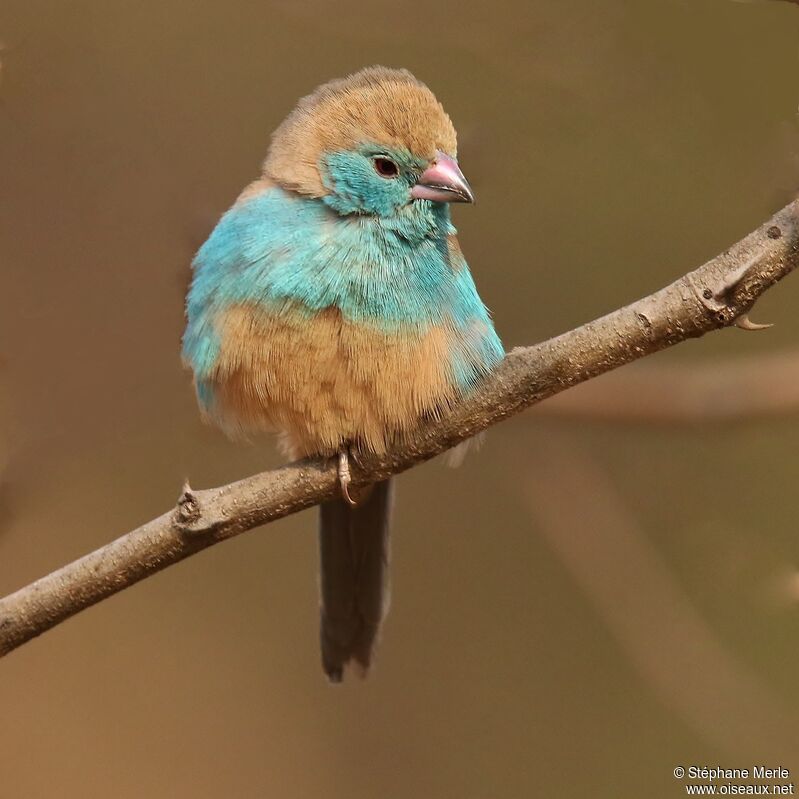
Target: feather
(354, 592)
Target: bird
(332, 305)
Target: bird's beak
(443, 182)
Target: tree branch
(709, 298)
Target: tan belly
(324, 381)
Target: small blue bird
(332, 304)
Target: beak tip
(443, 182)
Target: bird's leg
(344, 475)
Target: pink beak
(443, 182)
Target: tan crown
(377, 105)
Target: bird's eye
(386, 168)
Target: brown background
(578, 609)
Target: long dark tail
(354, 556)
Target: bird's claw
(344, 475)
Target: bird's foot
(344, 475)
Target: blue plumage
(277, 247)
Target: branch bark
(709, 298)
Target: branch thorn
(745, 323)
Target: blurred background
(579, 609)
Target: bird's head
(372, 143)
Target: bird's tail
(354, 557)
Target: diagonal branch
(711, 297)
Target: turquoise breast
(279, 248)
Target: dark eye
(386, 168)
